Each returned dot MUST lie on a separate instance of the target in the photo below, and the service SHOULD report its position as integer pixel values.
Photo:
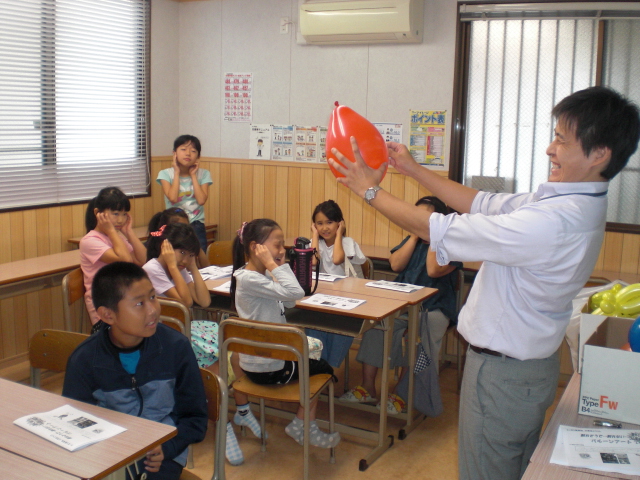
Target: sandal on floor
(395, 404)
(357, 395)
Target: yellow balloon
(632, 307)
(616, 288)
(627, 293)
(607, 307)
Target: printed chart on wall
(260, 142)
(282, 142)
(238, 88)
(306, 148)
(426, 142)
(391, 132)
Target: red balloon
(344, 124)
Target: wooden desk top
(566, 413)
(375, 307)
(92, 462)
(141, 233)
(358, 285)
(24, 469)
(38, 266)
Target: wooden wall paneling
(318, 195)
(30, 234)
(5, 238)
(57, 315)
(295, 192)
(258, 192)
(343, 199)
(246, 200)
(21, 332)
(382, 222)
(17, 235)
(600, 261)
(7, 327)
(213, 214)
(55, 230)
(77, 217)
(330, 187)
(368, 236)
(354, 227)
(271, 186)
(397, 189)
(45, 317)
(235, 212)
(630, 253)
(613, 252)
(66, 227)
(33, 320)
(307, 200)
(42, 221)
(224, 201)
(282, 182)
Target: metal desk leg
(384, 441)
(414, 326)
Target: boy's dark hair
(182, 139)
(437, 204)
(601, 117)
(111, 282)
(111, 198)
(180, 236)
(330, 209)
(258, 231)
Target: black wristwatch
(371, 193)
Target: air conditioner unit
(334, 22)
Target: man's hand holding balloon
(358, 176)
(401, 159)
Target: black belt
(488, 351)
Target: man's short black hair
(601, 117)
(112, 281)
(182, 139)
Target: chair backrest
(72, 291)
(170, 308)
(220, 252)
(50, 349)
(217, 402)
(260, 339)
(367, 268)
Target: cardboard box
(609, 387)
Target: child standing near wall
(186, 185)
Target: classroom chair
(367, 268)
(217, 401)
(50, 349)
(176, 315)
(220, 252)
(282, 342)
(72, 291)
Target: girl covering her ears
(110, 238)
(262, 285)
(174, 274)
(175, 215)
(339, 255)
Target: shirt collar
(549, 189)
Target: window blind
(73, 99)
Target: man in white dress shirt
(538, 250)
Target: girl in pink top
(109, 238)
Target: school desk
(414, 301)
(38, 273)
(93, 462)
(566, 413)
(141, 233)
(377, 310)
(19, 468)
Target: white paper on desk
(602, 449)
(223, 288)
(327, 277)
(215, 272)
(332, 301)
(399, 287)
(69, 427)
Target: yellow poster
(426, 140)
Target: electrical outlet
(284, 25)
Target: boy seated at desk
(135, 366)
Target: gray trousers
(502, 408)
